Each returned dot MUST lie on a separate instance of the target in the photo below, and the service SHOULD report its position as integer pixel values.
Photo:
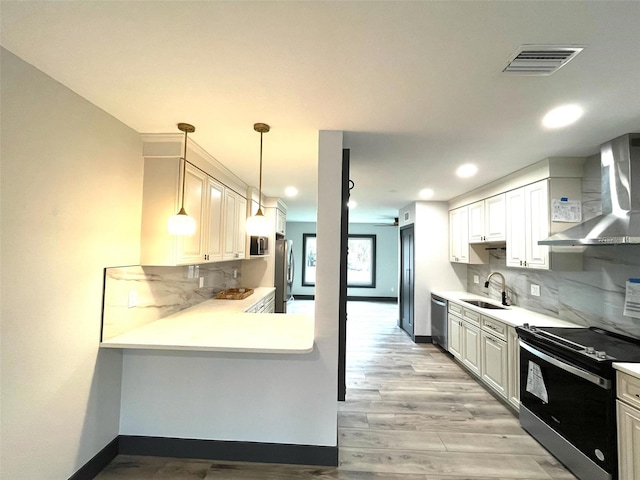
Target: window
(361, 261)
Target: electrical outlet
(235, 272)
(133, 299)
(476, 279)
(190, 272)
(535, 290)
(201, 282)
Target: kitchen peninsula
(223, 326)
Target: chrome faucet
(504, 287)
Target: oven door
(575, 403)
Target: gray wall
(386, 258)
(593, 296)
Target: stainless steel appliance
(620, 183)
(567, 394)
(439, 321)
(283, 273)
(258, 245)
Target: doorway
(406, 280)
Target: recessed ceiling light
(291, 191)
(426, 193)
(466, 170)
(562, 116)
(352, 204)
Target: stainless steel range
(567, 394)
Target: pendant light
(258, 225)
(181, 223)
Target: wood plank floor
(412, 413)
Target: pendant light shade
(258, 225)
(181, 223)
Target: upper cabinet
(487, 220)
(235, 215)
(460, 251)
(529, 220)
(219, 211)
(518, 211)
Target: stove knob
(591, 350)
(525, 326)
(601, 354)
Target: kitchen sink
(483, 304)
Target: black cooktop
(596, 343)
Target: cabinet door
(476, 222)
(516, 252)
(216, 218)
(537, 224)
(454, 339)
(191, 248)
(495, 218)
(471, 352)
(281, 222)
(494, 363)
(513, 369)
(230, 220)
(241, 227)
(459, 235)
(628, 441)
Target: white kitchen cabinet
(281, 222)
(454, 337)
(459, 235)
(471, 348)
(628, 415)
(494, 363)
(527, 222)
(204, 200)
(460, 250)
(216, 220)
(235, 218)
(528, 213)
(161, 199)
(513, 370)
(487, 220)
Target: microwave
(258, 246)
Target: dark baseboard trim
(304, 297)
(352, 298)
(422, 339)
(100, 460)
(229, 451)
(373, 299)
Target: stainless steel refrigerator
(283, 273)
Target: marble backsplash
(159, 292)
(593, 296)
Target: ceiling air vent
(541, 59)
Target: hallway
(411, 414)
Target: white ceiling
(416, 86)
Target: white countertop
(223, 326)
(632, 369)
(512, 315)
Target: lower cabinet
(454, 341)
(488, 348)
(513, 368)
(494, 363)
(628, 413)
(264, 305)
(471, 353)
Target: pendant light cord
(184, 169)
(260, 183)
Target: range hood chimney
(620, 220)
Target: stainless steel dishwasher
(439, 321)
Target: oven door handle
(591, 377)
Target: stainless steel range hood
(620, 219)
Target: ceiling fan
(394, 224)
